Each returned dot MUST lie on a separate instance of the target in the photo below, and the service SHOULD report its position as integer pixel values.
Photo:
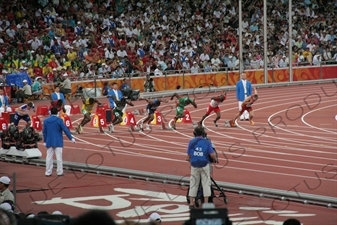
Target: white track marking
(314, 127)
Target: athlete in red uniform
(246, 105)
(214, 106)
(58, 104)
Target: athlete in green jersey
(181, 103)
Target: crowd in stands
(113, 38)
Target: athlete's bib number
(117, 114)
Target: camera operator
(200, 153)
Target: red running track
(291, 147)
(135, 200)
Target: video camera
(25, 139)
(209, 216)
(10, 137)
(29, 138)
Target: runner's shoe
(232, 123)
(215, 123)
(147, 127)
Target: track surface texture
(292, 146)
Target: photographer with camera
(200, 153)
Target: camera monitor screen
(209, 217)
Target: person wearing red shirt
(246, 105)
(214, 106)
(57, 104)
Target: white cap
(65, 74)
(154, 217)
(25, 81)
(54, 69)
(30, 216)
(6, 207)
(5, 180)
(57, 213)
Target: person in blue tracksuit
(53, 128)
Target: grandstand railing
(221, 78)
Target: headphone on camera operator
(200, 131)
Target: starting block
(75, 109)
(12, 152)
(98, 121)
(36, 123)
(102, 108)
(42, 110)
(129, 119)
(187, 118)
(159, 120)
(139, 111)
(67, 121)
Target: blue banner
(17, 78)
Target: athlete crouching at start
(151, 107)
(88, 105)
(118, 112)
(22, 113)
(58, 104)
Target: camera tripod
(200, 195)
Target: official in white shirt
(243, 90)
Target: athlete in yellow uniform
(88, 105)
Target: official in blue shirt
(243, 90)
(114, 94)
(53, 128)
(199, 152)
(4, 103)
(57, 95)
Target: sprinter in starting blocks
(87, 107)
(118, 112)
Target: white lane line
(314, 127)
(301, 134)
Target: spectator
(155, 217)
(53, 128)
(24, 93)
(149, 84)
(65, 87)
(292, 222)
(5, 194)
(37, 87)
